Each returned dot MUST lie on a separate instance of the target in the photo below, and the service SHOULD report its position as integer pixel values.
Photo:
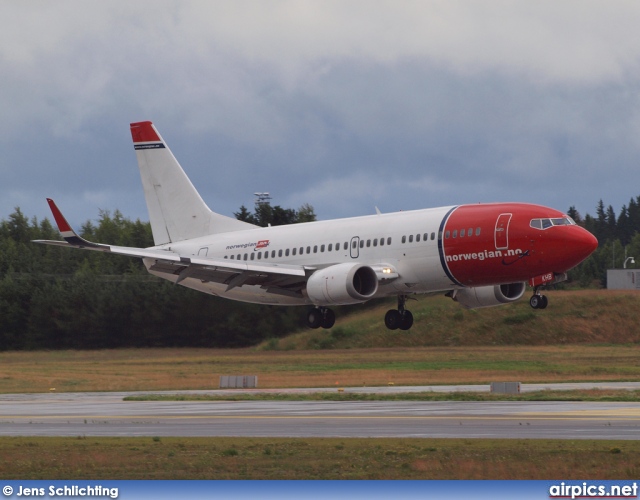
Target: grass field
(601, 395)
(172, 369)
(273, 458)
(573, 317)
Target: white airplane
(480, 255)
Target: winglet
(61, 222)
(66, 231)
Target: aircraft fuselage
(432, 250)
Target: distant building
(623, 279)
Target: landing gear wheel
(406, 320)
(328, 319)
(544, 303)
(399, 318)
(314, 318)
(538, 301)
(392, 319)
(535, 301)
(321, 317)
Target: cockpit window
(547, 223)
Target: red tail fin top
(144, 132)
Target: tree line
(57, 298)
(618, 238)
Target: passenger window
(245, 256)
(273, 254)
(294, 251)
(389, 240)
(286, 253)
(361, 243)
(477, 231)
(470, 231)
(280, 253)
(375, 242)
(411, 238)
(455, 233)
(462, 231)
(259, 255)
(308, 249)
(330, 247)
(301, 250)
(404, 239)
(417, 237)
(315, 248)
(253, 256)
(381, 242)
(368, 243)
(322, 248)
(446, 235)
(433, 236)
(354, 244)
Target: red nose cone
(584, 244)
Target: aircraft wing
(275, 278)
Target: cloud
(338, 104)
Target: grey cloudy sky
(345, 105)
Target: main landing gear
(538, 301)
(399, 318)
(321, 317)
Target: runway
(106, 414)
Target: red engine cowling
(487, 296)
(342, 284)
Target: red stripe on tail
(144, 132)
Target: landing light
(386, 270)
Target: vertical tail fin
(176, 210)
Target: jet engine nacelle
(346, 283)
(487, 296)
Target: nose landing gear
(538, 301)
(399, 318)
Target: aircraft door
(502, 231)
(354, 247)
